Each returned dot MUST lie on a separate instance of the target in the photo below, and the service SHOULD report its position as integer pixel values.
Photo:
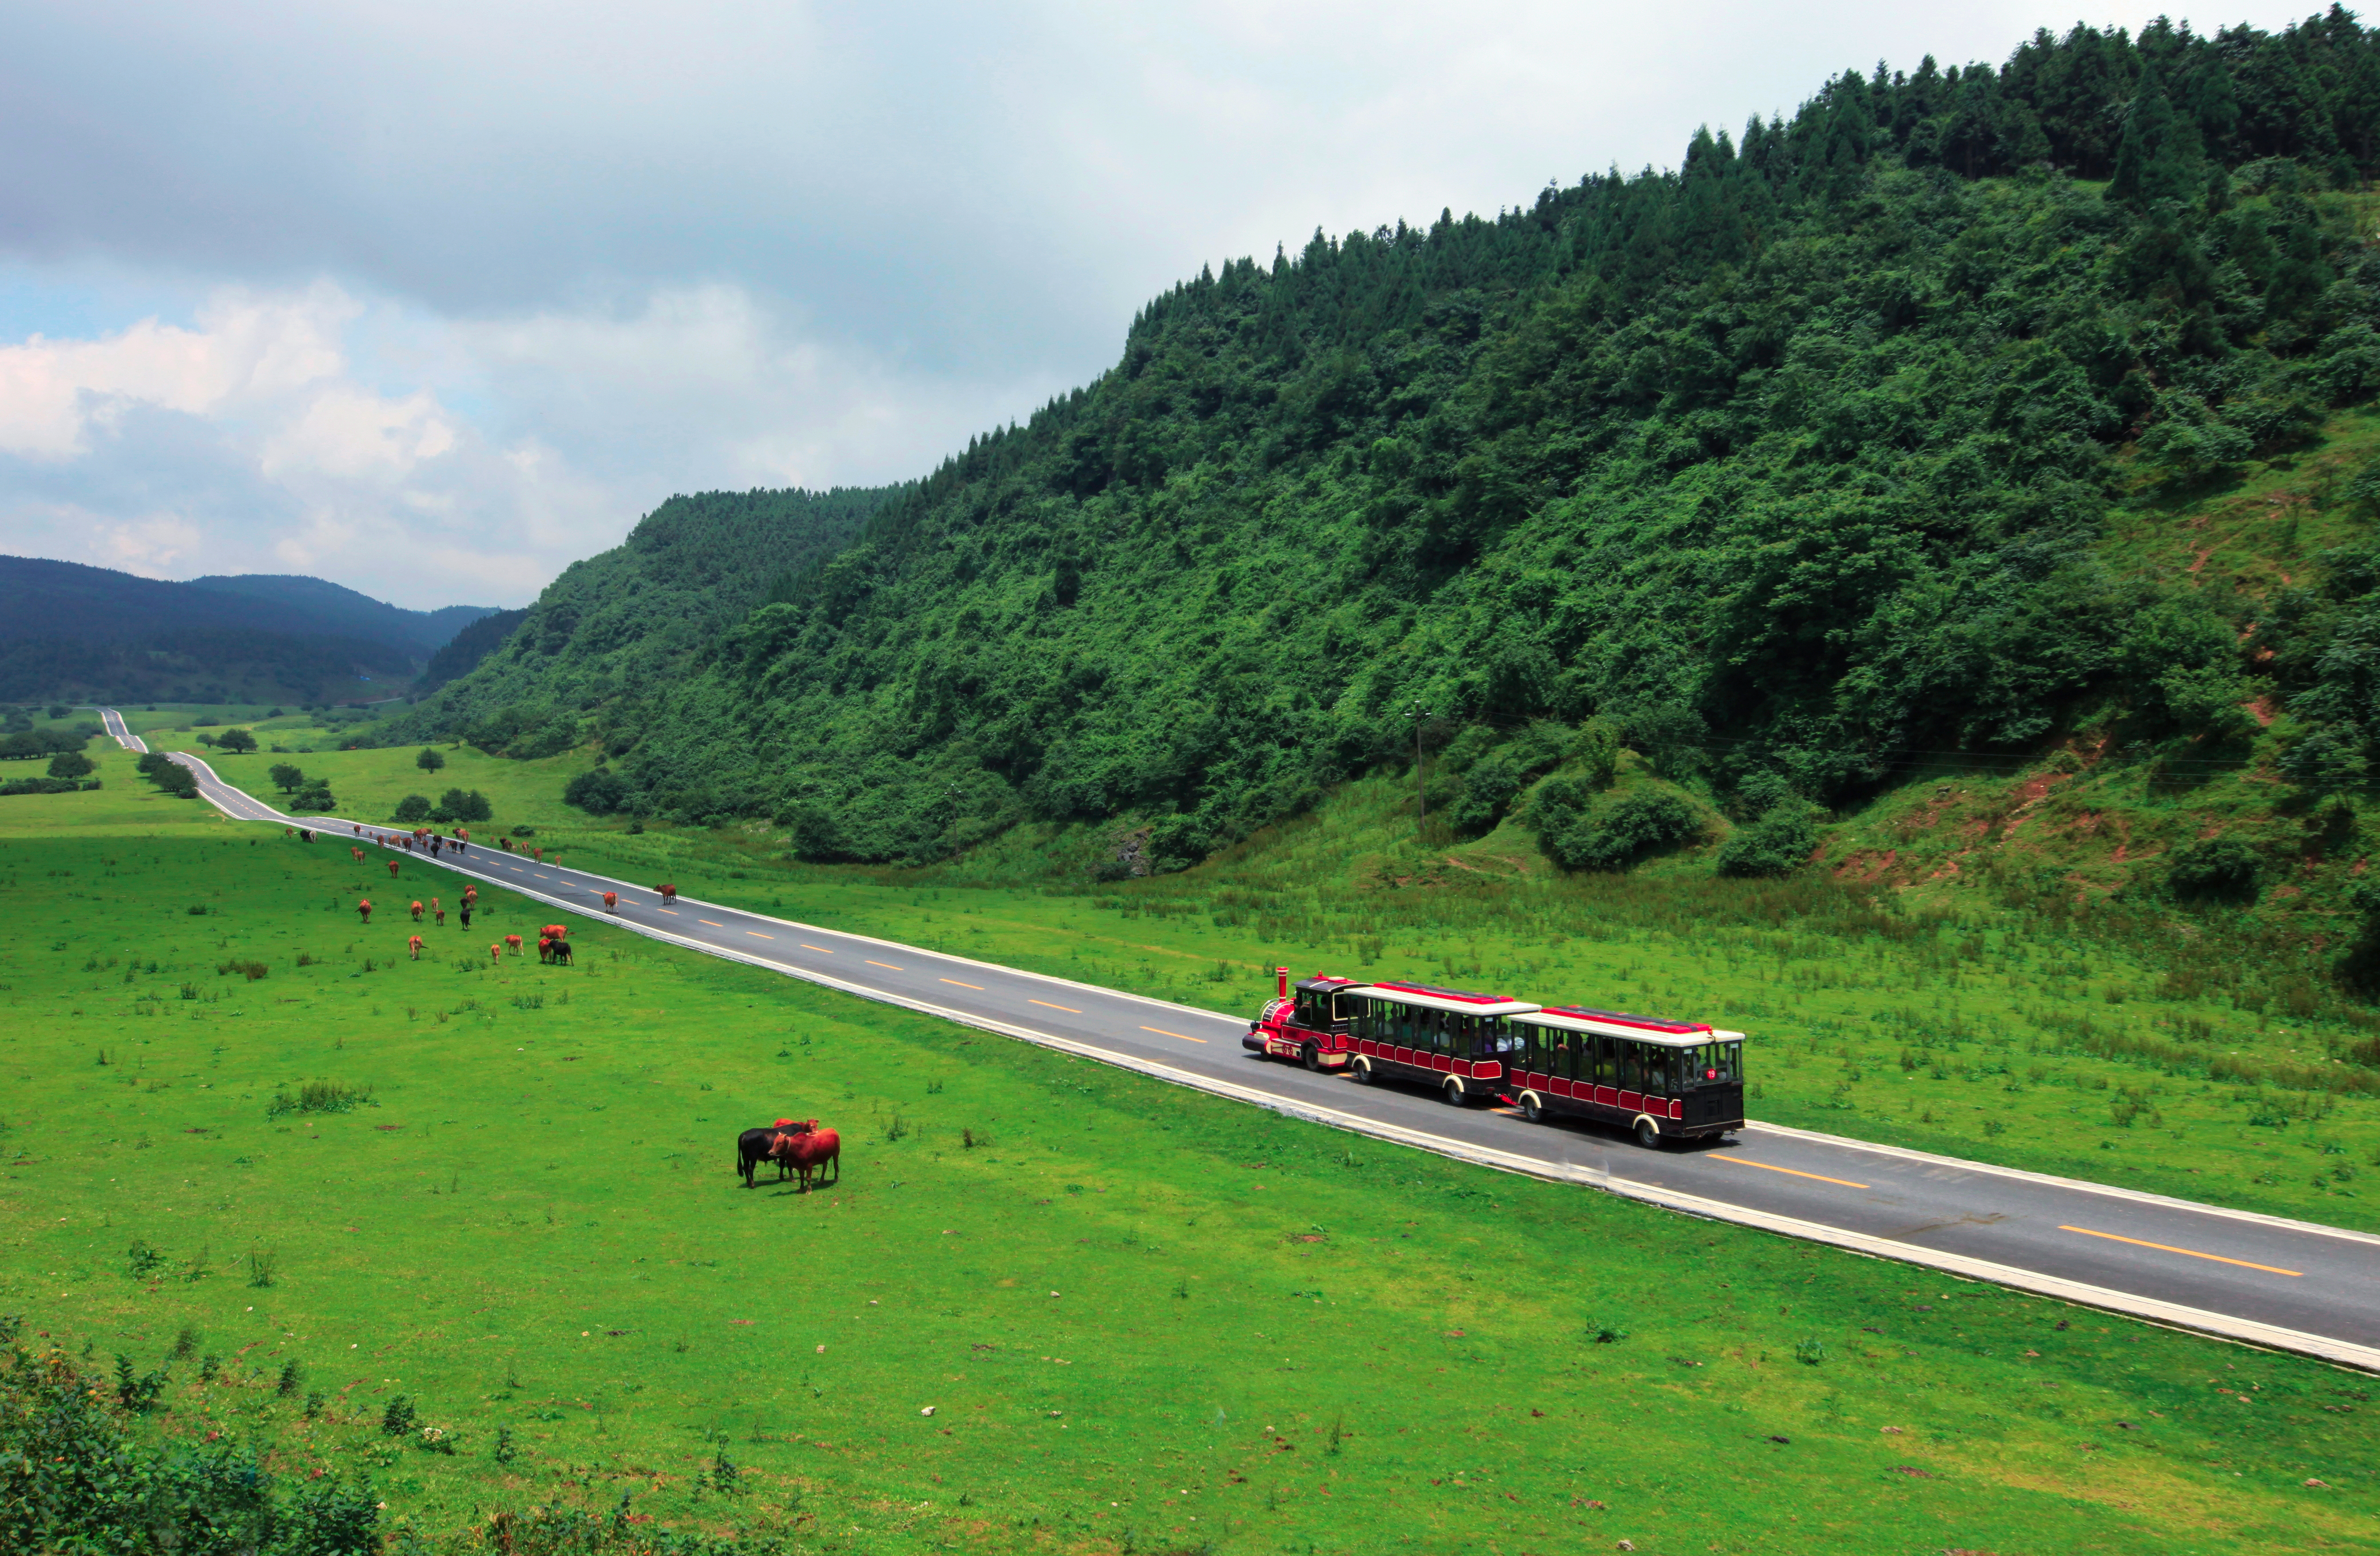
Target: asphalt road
(2264, 1280)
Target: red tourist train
(1660, 1080)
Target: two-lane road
(2261, 1279)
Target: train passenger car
(1661, 1080)
(1451, 1039)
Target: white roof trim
(1638, 1034)
(1431, 1001)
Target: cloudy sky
(433, 298)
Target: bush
(71, 764)
(598, 792)
(315, 798)
(461, 806)
(429, 761)
(2216, 869)
(1777, 844)
(413, 809)
(1621, 832)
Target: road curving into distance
(2263, 1279)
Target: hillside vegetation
(1835, 451)
(595, 656)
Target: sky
(431, 299)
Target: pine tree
(2159, 158)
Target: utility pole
(1416, 712)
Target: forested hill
(1799, 458)
(602, 645)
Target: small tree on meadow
(71, 764)
(238, 741)
(429, 761)
(413, 810)
(285, 776)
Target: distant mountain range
(70, 630)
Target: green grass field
(1145, 1319)
(1965, 1027)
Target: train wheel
(1311, 1056)
(1453, 1094)
(1649, 1135)
(1531, 1109)
(1365, 1074)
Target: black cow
(752, 1147)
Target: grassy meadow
(2094, 1045)
(1143, 1319)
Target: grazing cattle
(357, 852)
(540, 855)
(392, 869)
(363, 907)
(438, 912)
(495, 950)
(811, 1149)
(413, 944)
(417, 910)
(611, 901)
(513, 944)
(668, 891)
(558, 931)
(562, 954)
(471, 897)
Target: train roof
(1323, 981)
(1461, 1002)
(1618, 1024)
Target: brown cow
(392, 869)
(668, 891)
(611, 901)
(363, 906)
(558, 932)
(470, 896)
(495, 950)
(809, 1148)
(413, 944)
(513, 944)
(438, 911)
(545, 948)
(417, 910)
(357, 852)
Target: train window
(1598, 1055)
(1629, 1070)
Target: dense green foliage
(72, 1478)
(613, 632)
(1789, 462)
(471, 645)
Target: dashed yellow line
(2193, 1253)
(1164, 1033)
(714, 924)
(822, 949)
(758, 935)
(874, 963)
(1739, 1161)
(1046, 1005)
(976, 987)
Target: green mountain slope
(607, 639)
(347, 613)
(1805, 463)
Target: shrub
(398, 1420)
(1620, 833)
(2214, 870)
(464, 805)
(71, 764)
(598, 791)
(1777, 844)
(239, 742)
(413, 809)
(429, 761)
(285, 776)
(315, 798)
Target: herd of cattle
(799, 1147)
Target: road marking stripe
(1164, 1033)
(873, 963)
(671, 911)
(1046, 1005)
(758, 935)
(976, 987)
(2193, 1253)
(807, 946)
(714, 925)
(1739, 1161)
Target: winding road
(2263, 1279)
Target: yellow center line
(713, 925)
(2193, 1253)
(976, 987)
(671, 911)
(1739, 1161)
(874, 963)
(807, 946)
(1046, 1005)
(1164, 1033)
(758, 935)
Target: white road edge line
(2174, 1315)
